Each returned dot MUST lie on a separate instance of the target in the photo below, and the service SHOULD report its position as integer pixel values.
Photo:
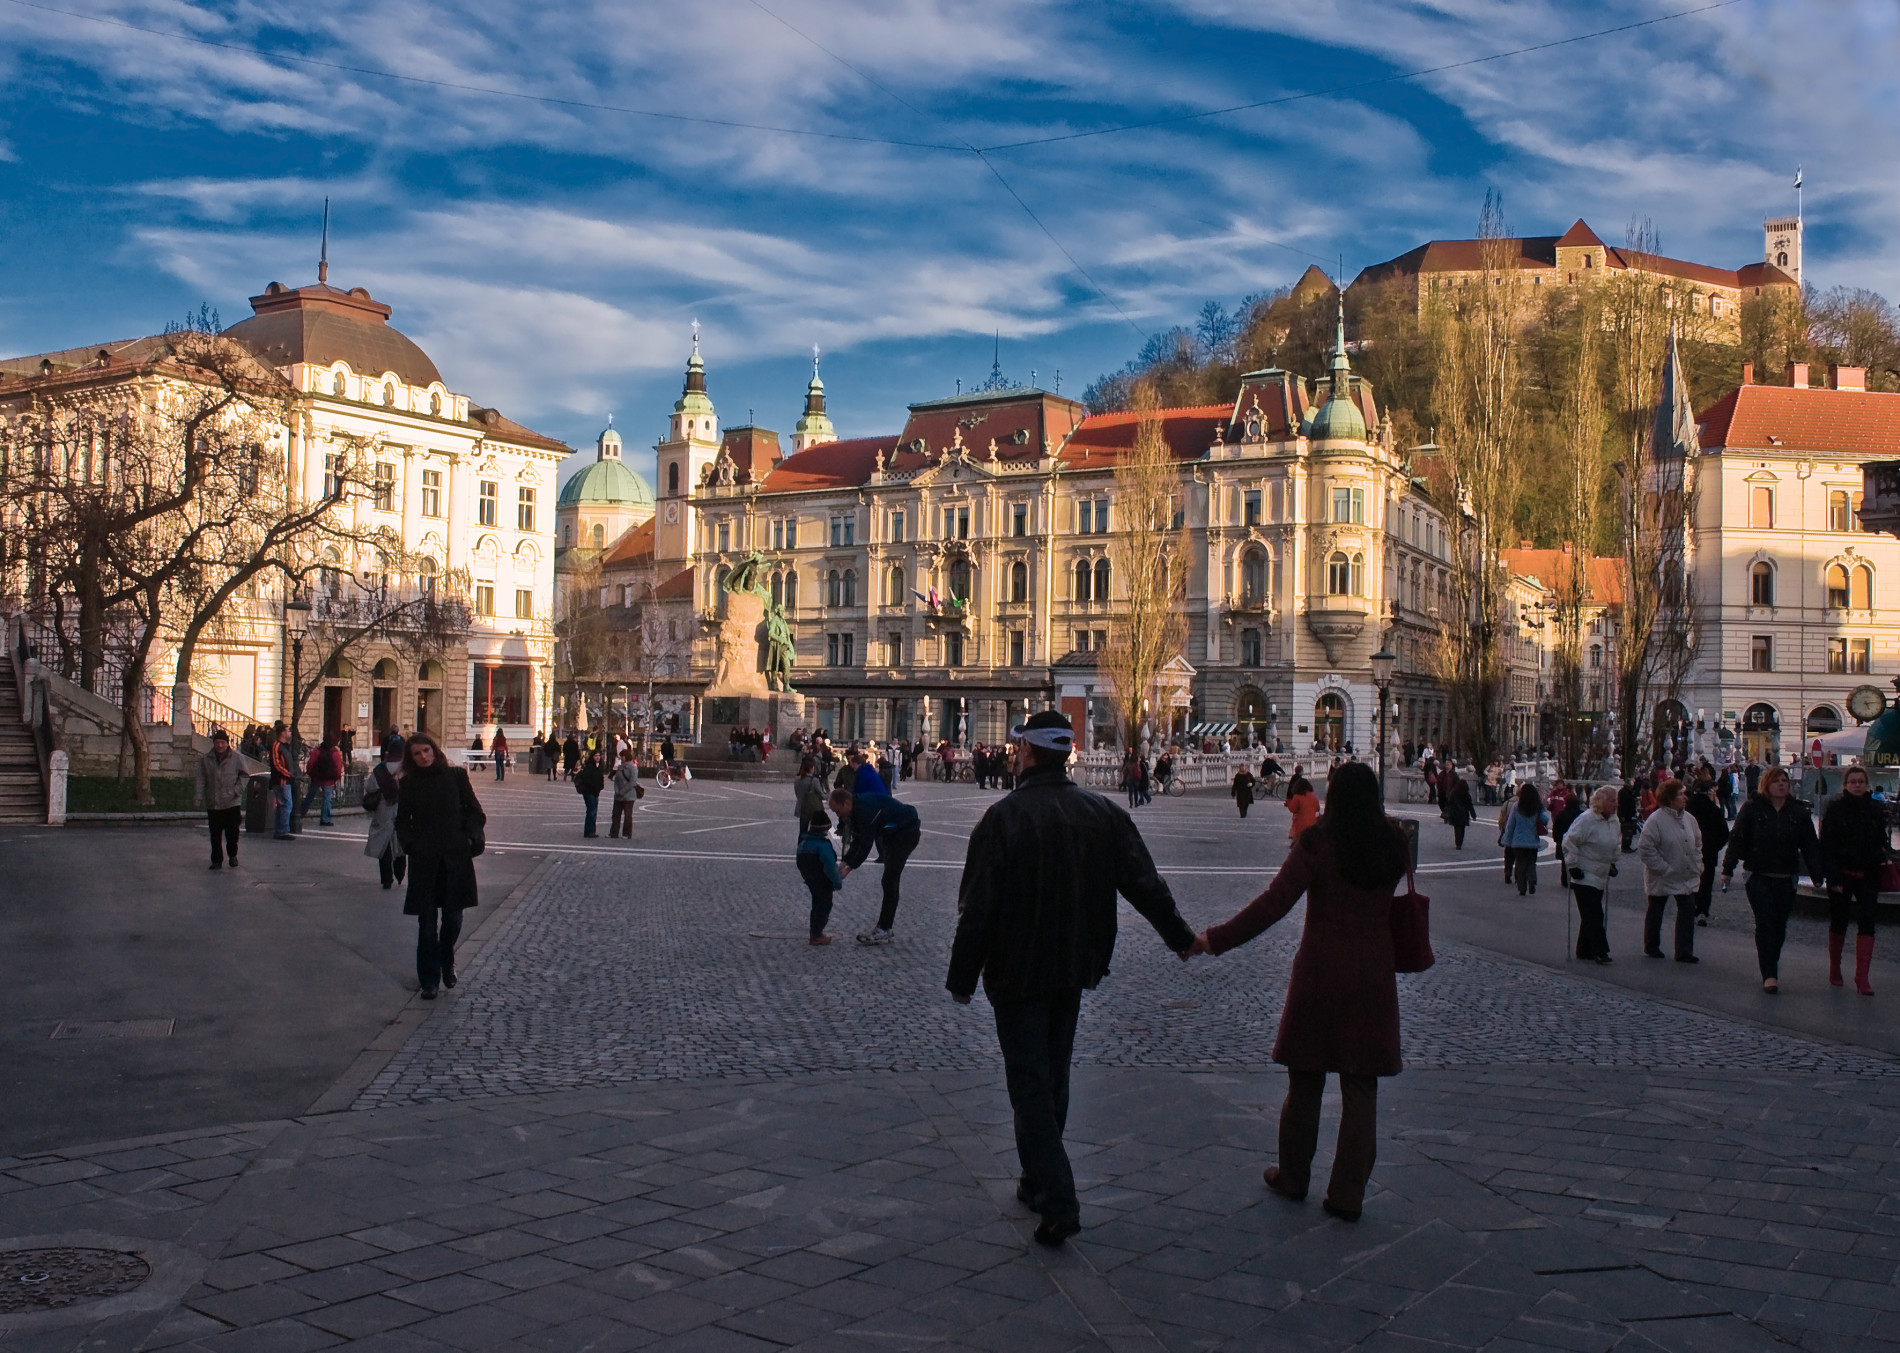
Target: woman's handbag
(1411, 929)
(1889, 876)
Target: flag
(1797, 176)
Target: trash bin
(257, 804)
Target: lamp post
(296, 627)
(1384, 664)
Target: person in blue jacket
(818, 866)
(895, 829)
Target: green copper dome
(693, 399)
(604, 483)
(1338, 418)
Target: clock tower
(1782, 245)
(690, 448)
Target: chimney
(1524, 545)
(1748, 373)
(1846, 377)
(1798, 375)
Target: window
(896, 587)
(1854, 516)
(1339, 575)
(778, 589)
(1084, 581)
(431, 493)
(1250, 507)
(723, 534)
(960, 580)
(1358, 574)
(333, 474)
(1349, 505)
(1761, 653)
(1015, 648)
(524, 509)
(485, 509)
(791, 589)
(385, 486)
(484, 599)
(598, 535)
(1837, 511)
(1250, 648)
(1101, 580)
(953, 650)
(1837, 655)
(839, 649)
(501, 693)
(956, 523)
(778, 535)
(834, 590)
(897, 528)
(894, 649)
(1837, 586)
(673, 479)
(1761, 507)
(425, 573)
(1860, 596)
(1019, 519)
(1101, 640)
(851, 587)
(626, 595)
(524, 602)
(1860, 655)
(1081, 644)
(1596, 657)
(1019, 581)
(1092, 518)
(1253, 578)
(844, 530)
(1761, 584)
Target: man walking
(1036, 920)
(326, 773)
(283, 782)
(895, 829)
(221, 785)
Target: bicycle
(1174, 786)
(671, 773)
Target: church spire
(814, 427)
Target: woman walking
(1590, 847)
(1853, 850)
(1243, 790)
(381, 796)
(1303, 804)
(1342, 1002)
(1521, 826)
(499, 746)
(1773, 839)
(1670, 848)
(441, 826)
(589, 780)
(1454, 798)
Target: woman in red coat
(1342, 1004)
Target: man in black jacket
(1036, 920)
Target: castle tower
(814, 427)
(1781, 245)
(691, 447)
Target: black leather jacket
(1036, 911)
(1853, 836)
(1775, 843)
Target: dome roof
(322, 324)
(606, 483)
(1338, 419)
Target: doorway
(429, 711)
(1329, 723)
(382, 709)
(334, 699)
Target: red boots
(1863, 959)
(1835, 940)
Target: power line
(1395, 78)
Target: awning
(1211, 730)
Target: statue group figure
(749, 575)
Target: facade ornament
(956, 442)
(1220, 433)
(992, 448)
(880, 460)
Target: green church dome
(604, 483)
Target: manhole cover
(114, 1028)
(46, 1280)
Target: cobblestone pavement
(652, 1117)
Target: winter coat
(626, 781)
(590, 779)
(1670, 847)
(808, 796)
(819, 845)
(1458, 807)
(1713, 823)
(1243, 786)
(1853, 837)
(1305, 810)
(1342, 1000)
(1774, 843)
(441, 826)
(326, 766)
(1524, 832)
(868, 781)
(221, 782)
(381, 796)
(1590, 849)
(876, 819)
(280, 769)
(1036, 908)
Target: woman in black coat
(1853, 851)
(440, 824)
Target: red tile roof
(754, 451)
(1828, 422)
(1105, 438)
(1540, 251)
(1579, 236)
(1603, 574)
(679, 587)
(635, 547)
(831, 465)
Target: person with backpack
(325, 769)
(1521, 826)
(1773, 839)
(589, 780)
(818, 866)
(808, 793)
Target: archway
(1253, 719)
(1329, 722)
(1761, 732)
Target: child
(818, 865)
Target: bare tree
(1584, 469)
(1147, 553)
(426, 618)
(585, 649)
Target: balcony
(1336, 621)
(947, 613)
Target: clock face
(672, 513)
(1867, 702)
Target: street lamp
(296, 627)
(1384, 664)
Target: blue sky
(551, 257)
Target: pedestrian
(346, 744)
(1521, 826)
(570, 755)
(1753, 777)
(1493, 774)
(283, 780)
(1591, 847)
(1302, 803)
(392, 744)
(1036, 922)
(1670, 848)
(326, 772)
(1725, 792)
(1773, 838)
(818, 866)
(1243, 790)
(864, 776)
(221, 781)
(1429, 769)
(1626, 802)
(1342, 1000)
(499, 746)
(381, 798)
(1713, 825)
(1853, 851)
(1455, 800)
(1131, 779)
(895, 829)
(441, 828)
(627, 794)
(589, 780)
(1270, 773)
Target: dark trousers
(1685, 924)
(1356, 1148)
(593, 814)
(1457, 836)
(1593, 940)
(1772, 900)
(1038, 1039)
(391, 866)
(1705, 887)
(224, 824)
(1855, 899)
(1520, 864)
(1245, 804)
(623, 816)
(1629, 828)
(812, 870)
(435, 944)
(896, 849)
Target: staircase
(22, 790)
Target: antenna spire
(1797, 192)
(323, 250)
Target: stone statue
(748, 579)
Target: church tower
(814, 428)
(690, 448)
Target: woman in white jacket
(1590, 848)
(1671, 851)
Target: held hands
(844, 872)
(1200, 946)
(959, 998)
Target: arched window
(600, 534)
(1101, 580)
(1837, 586)
(1596, 657)
(1824, 719)
(1253, 577)
(960, 580)
(1860, 595)
(791, 590)
(1084, 584)
(896, 589)
(1339, 574)
(1838, 508)
(389, 394)
(1761, 584)
(673, 479)
(1329, 722)
(1019, 581)
(778, 589)
(1358, 575)
(425, 573)
(719, 590)
(851, 587)
(834, 589)
(385, 670)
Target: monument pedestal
(780, 713)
